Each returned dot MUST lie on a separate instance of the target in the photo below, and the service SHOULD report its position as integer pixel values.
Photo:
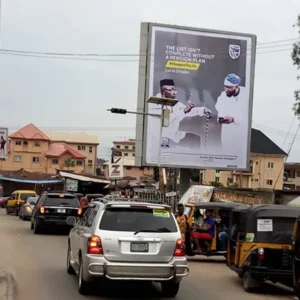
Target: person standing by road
(182, 220)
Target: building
(34, 151)
(266, 167)
(292, 176)
(124, 153)
(80, 142)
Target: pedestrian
(233, 107)
(84, 204)
(2, 145)
(182, 220)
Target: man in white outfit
(232, 106)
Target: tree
(216, 184)
(296, 62)
(69, 162)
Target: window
(269, 182)
(133, 154)
(35, 159)
(90, 162)
(257, 162)
(256, 180)
(128, 168)
(18, 158)
(125, 154)
(217, 171)
(18, 143)
(270, 165)
(25, 143)
(54, 200)
(81, 147)
(217, 179)
(79, 163)
(297, 174)
(37, 144)
(141, 168)
(54, 161)
(118, 147)
(230, 180)
(24, 196)
(133, 147)
(126, 147)
(90, 149)
(134, 219)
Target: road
(38, 264)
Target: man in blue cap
(232, 106)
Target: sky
(72, 94)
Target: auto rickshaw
(211, 248)
(260, 244)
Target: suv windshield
(137, 219)
(55, 200)
(25, 196)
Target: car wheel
(170, 289)
(83, 286)
(70, 269)
(250, 284)
(36, 228)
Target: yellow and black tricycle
(260, 244)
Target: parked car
(3, 202)
(127, 241)
(27, 208)
(17, 199)
(52, 209)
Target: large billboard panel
(211, 74)
(3, 143)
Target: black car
(52, 209)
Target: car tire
(170, 289)
(83, 286)
(70, 269)
(250, 284)
(36, 228)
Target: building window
(217, 179)
(257, 162)
(90, 149)
(128, 168)
(37, 144)
(35, 159)
(80, 147)
(217, 171)
(18, 143)
(133, 147)
(90, 162)
(126, 147)
(269, 182)
(256, 180)
(230, 180)
(54, 161)
(133, 154)
(25, 143)
(141, 168)
(18, 158)
(297, 174)
(270, 165)
(79, 163)
(118, 147)
(125, 154)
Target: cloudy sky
(71, 93)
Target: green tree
(296, 62)
(216, 184)
(69, 162)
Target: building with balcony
(292, 176)
(266, 167)
(125, 148)
(33, 150)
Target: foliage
(69, 162)
(216, 184)
(234, 185)
(296, 61)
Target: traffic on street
(38, 263)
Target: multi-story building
(34, 151)
(124, 153)
(80, 142)
(292, 176)
(266, 167)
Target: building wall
(266, 172)
(127, 148)
(52, 165)
(88, 150)
(22, 156)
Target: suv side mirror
(71, 221)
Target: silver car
(127, 241)
(27, 207)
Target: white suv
(127, 241)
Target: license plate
(61, 210)
(139, 247)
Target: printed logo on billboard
(115, 170)
(234, 51)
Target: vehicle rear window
(134, 219)
(25, 196)
(61, 201)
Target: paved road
(38, 264)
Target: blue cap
(232, 80)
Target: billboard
(211, 74)
(3, 143)
(115, 171)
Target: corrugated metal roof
(73, 137)
(82, 178)
(42, 181)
